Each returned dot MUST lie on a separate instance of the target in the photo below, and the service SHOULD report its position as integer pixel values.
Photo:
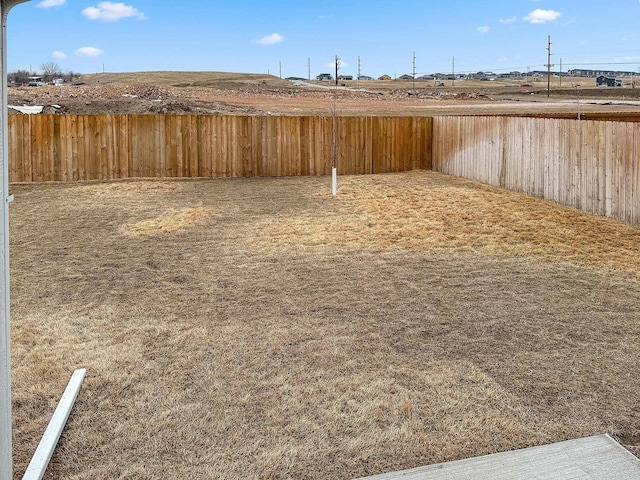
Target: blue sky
(252, 36)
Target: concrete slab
(591, 458)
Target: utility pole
(358, 77)
(280, 65)
(560, 72)
(549, 65)
(309, 68)
(453, 71)
(414, 71)
(337, 60)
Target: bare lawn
(259, 328)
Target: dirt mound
(215, 93)
(171, 108)
(438, 95)
(149, 92)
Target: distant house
(597, 73)
(514, 74)
(364, 77)
(406, 76)
(345, 77)
(324, 76)
(603, 81)
(36, 81)
(384, 77)
(485, 76)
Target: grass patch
(259, 328)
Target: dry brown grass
(208, 79)
(442, 214)
(278, 332)
(168, 223)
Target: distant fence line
(587, 165)
(98, 147)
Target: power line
(603, 63)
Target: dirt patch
(413, 319)
(122, 99)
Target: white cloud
(508, 20)
(88, 52)
(51, 3)
(542, 16)
(271, 39)
(483, 29)
(58, 55)
(112, 12)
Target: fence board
(635, 194)
(37, 144)
(14, 148)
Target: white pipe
(334, 180)
(40, 460)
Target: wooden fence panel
(381, 141)
(325, 140)
(588, 165)
(635, 193)
(290, 138)
(305, 147)
(136, 129)
(262, 128)
(16, 150)
(205, 147)
(85, 147)
(41, 140)
(397, 144)
(627, 170)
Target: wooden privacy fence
(588, 165)
(96, 147)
